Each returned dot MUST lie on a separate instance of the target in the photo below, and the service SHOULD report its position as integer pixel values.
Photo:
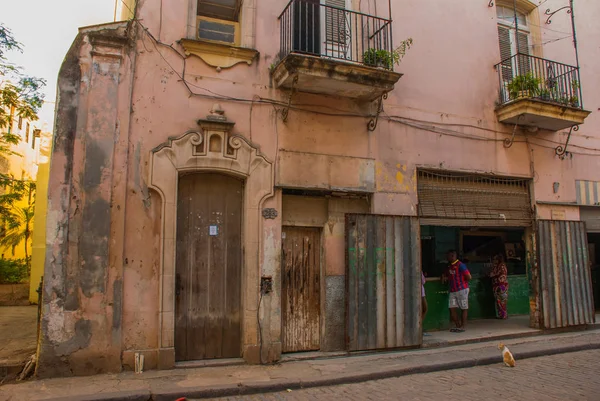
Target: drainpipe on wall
(516, 33)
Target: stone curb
(293, 384)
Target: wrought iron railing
(308, 27)
(524, 76)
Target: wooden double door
(208, 267)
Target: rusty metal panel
(470, 200)
(566, 284)
(301, 289)
(383, 281)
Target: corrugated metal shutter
(591, 218)
(567, 298)
(335, 21)
(505, 52)
(383, 282)
(463, 200)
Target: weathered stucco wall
(83, 293)
(102, 301)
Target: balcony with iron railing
(334, 51)
(539, 93)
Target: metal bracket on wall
(508, 142)
(561, 151)
(286, 110)
(372, 124)
(269, 213)
(550, 14)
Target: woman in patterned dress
(499, 275)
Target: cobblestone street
(570, 376)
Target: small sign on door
(213, 231)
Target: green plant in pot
(386, 59)
(545, 94)
(524, 86)
(574, 100)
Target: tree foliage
(20, 97)
(19, 228)
(20, 94)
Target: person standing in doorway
(458, 277)
(423, 302)
(499, 275)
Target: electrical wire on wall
(423, 125)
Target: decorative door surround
(213, 149)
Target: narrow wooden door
(208, 267)
(301, 286)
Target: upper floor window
(27, 133)
(509, 38)
(218, 20)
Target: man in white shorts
(458, 277)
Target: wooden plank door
(208, 267)
(301, 288)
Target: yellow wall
(39, 228)
(23, 165)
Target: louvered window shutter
(335, 21)
(505, 52)
(524, 63)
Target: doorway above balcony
(334, 51)
(539, 93)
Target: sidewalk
(245, 379)
(18, 337)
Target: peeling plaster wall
(83, 295)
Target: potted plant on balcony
(574, 100)
(545, 94)
(524, 86)
(386, 59)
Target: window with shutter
(217, 21)
(507, 39)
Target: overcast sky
(46, 28)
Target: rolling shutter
(591, 217)
(463, 200)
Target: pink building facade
(223, 171)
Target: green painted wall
(596, 287)
(481, 301)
